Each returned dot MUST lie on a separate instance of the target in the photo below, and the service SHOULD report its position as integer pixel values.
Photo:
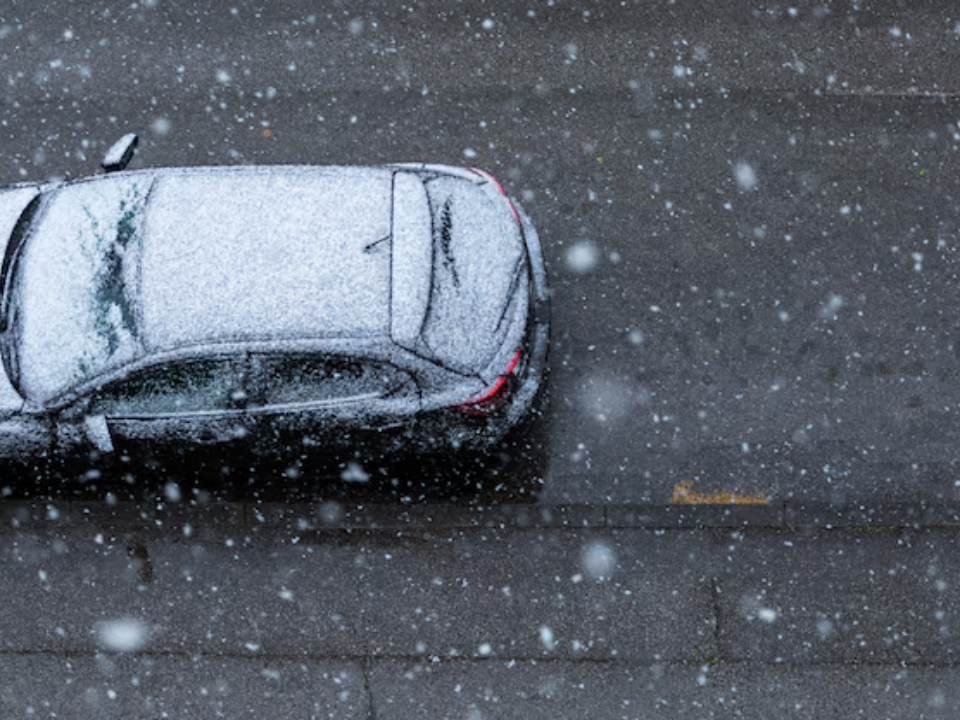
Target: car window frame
(427, 376)
(79, 401)
(259, 405)
(237, 369)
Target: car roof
(136, 263)
(265, 253)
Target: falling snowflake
(583, 257)
(746, 176)
(123, 635)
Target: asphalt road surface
(750, 214)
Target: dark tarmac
(749, 499)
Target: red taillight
(490, 178)
(498, 394)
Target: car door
(183, 416)
(313, 407)
(24, 448)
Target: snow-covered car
(292, 310)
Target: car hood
(13, 201)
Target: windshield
(70, 305)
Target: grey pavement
(103, 687)
(105, 617)
(763, 202)
(750, 213)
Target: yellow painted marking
(684, 494)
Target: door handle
(98, 432)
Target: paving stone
(840, 692)
(868, 595)
(230, 596)
(107, 686)
(539, 594)
(532, 690)
(622, 690)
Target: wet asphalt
(745, 498)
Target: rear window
(309, 378)
(477, 255)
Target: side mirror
(120, 153)
(98, 432)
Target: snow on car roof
(264, 254)
(158, 260)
